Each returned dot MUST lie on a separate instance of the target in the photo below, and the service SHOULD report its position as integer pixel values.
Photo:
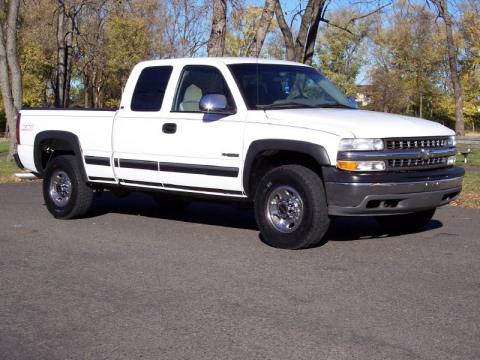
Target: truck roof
(215, 60)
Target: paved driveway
(133, 281)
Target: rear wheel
(406, 222)
(290, 208)
(65, 192)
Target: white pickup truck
(273, 132)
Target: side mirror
(214, 104)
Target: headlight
(361, 144)
(452, 141)
(350, 165)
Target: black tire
(406, 222)
(77, 204)
(293, 181)
(172, 202)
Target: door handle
(169, 128)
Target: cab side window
(150, 88)
(197, 81)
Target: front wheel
(65, 192)
(291, 208)
(406, 222)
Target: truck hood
(357, 123)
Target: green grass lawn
(473, 159)
(7, 168)
(470, 196)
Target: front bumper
(352, 194)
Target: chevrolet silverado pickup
(275, 133)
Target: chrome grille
(416, 143)
(412, 163)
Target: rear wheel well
(51, 148)
(270, 159)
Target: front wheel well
(270, 159)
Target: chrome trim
(427, 142)
(352, 195)
(389, 204)
(284, 209)
(387, 155)
(412, 183)
(60, 188)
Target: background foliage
(394, 59)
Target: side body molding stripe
(200, 169)
(138, 164)
(97, 160)
(318, 152)
(211, 170)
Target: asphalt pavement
(137, 281)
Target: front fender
(318, 152)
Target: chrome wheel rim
(284, 209)
(60, 188)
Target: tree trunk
(303, 31)
(302, 48)
(457, 87)
(265, 20)
(420, 111)
(442, 7)
(311, 40)
(10, 74)
(61, 58)
(68, 60)
(286, 32)
(216, 42)
(86, 91)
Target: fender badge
(27, 127)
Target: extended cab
(273, 132)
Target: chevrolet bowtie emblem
(424, 154)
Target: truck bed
(92, 127)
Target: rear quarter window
(150, 88)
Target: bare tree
(67, 15)
(185, 28)
(265, 20)
(301, 48)
(61, 57)
(10, 74)
(442, 8)
(216, 42)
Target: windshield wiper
(287, 104)
(283, 105)
(335, 105)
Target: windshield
(286, 86)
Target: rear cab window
(150, 88)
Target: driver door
(202, 152)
